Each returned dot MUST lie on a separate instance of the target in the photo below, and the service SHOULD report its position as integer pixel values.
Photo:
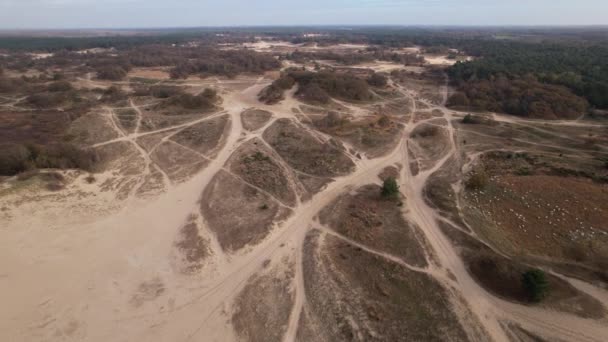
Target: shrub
(62, 156)
(313, 93)
(164, 92)
(384, 121)
(189, 101)
(377, 80)
(60, 86)
(112, 73)
(54, 186)
(45, 100)
(17, 158)
(113, 94)
(478, 180)
(274, 93)
(459, 99)
(390, 188)
(470, 119)
(523, 171)
(90, 179)
(536, 285)
(13, 159)
(210, 94)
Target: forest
(513, 75)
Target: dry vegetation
(305, 153)
(377, 222)
(238, 213)
(357, 296)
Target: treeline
(53, 44)
(225, 63)
(367, 55)
(185, 61)
(520, 96)
(581, 70)
(341, 58)
(16, 158)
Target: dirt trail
(91, 271)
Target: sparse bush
(60, 86)
(13, 159)
(264, 206)
(377, 80)
(390, 188)
(384, 121)
(523, 171)
(113, 94)
(340, 85)
(536, 285)
(45, 100)
(333, 119)
(52, 177)
(54, 186)
(284, 82)
(189, 101)
(111, 73)
(17, 158)
(470, 119)
(164, 91)
(271, 95)
(90, 179)
(477, 180)
(23, 176)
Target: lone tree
(390, 188)
(536, 285)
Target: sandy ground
(113, 278)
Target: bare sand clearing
(119, 276)
(442, 60)
(153, 73)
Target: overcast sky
(180, 13)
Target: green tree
(390, 188)
(536, 285)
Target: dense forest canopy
(582, 69)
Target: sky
(57, 14)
